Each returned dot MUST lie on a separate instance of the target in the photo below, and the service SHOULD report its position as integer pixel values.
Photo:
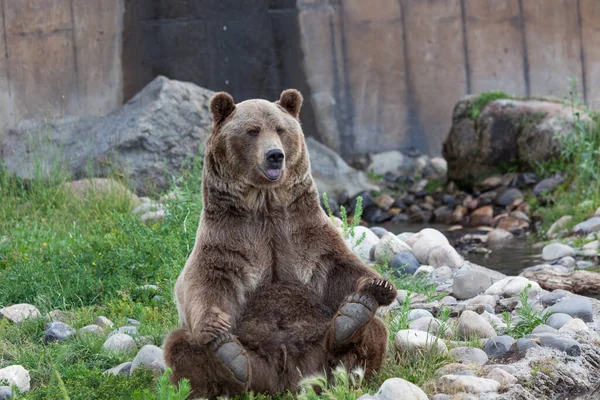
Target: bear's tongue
(273, 173)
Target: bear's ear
(221, 106)
(291, 100)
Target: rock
(379, 231)
(558, 320)
(498, 324)
(470, 384)
(574, 326)
(58, 332)
(102, 187)
(153, 216)
(429, 324)
(103, 322)
(418, 342)
(426, 270)
(520, 215)
(384, 201)
(554, 251)
(498, 346)
(448, 301)
(470, 283)
(508, 197)
(396, 388)
(512, 224)
(404, 263)
(591, 225)
(442, 396)
(120, 342)
(58, 316)
(482, 216)
(363, 248)
(389, 161)
(512, 286)
(548, 185)
(18, 313)
(525, 344)
(543, 328)
(501, 376)
(481, 146)
(417, 313)
(121, 369)
(151, 357)
(91, 329)
(584, 264)
(404, 236)
(17, 376)
(552, 298)
(150, 137)
(388, 247)
(469, 355)
(567, 262)
(499, 236)
(471, 324)
(575, 307)
(5, 392)
(595, 245)
(147, 207)
(445, 255)
(484, 299)
(442, 274)
(559, 225)
(568, 345)
(439, 165)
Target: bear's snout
(275, 158)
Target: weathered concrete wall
(376, 74)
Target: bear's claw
(381, 290)
(232, 354)
(356, 311)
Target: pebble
(552, 298)
(575, 307)
(472, 324)
(5, 392)
(128, 329)
(498, 236)
(18, 313)
(543, 328)
(595, 245)
(568, 345)
(379, 231)
(508, 197)
(404, 236)
(416, 342)
(524, 344)
(120, 342)
(425, 241)
(91, 329)
(387, 248)
(397, 388)
(151, 357)
(470, 355)
(469, 283)
(497, 323)
(445, 255)
(574, 326)
(471, 384)
(568, 262)
(58, 332)
(404, 263)
(591, 225)
(425, 270)
(555, 251)
(558, 320)
(441, 396)
(559, 225)
(582, 264)
(448, 300)
(121, 369)
(498, 346)
(501, 376)
(429, 324)
(133, 322)
(484, 299)
(17, 376)
(103, 322)
(363, 249)
(453, 369)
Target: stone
(16, 376)
(454, 369)
(18, 313)
(153, 216)
(362, 248)
(442, 396)
(574, 326)
(384, 201)
(470, 384)
(91, 329)
(442, 274)
(396, 388)
(568, 345)
(404, 263)
(103, 322)
(512, 224)
(501, 376)
(581, 264)
(404, 236)
(389, 161)
(512, 286)
(482, 216)
(559, 225)
(388, 247)
(484, 299)
(98, 187)
(151, 357)
(549, 299)
(548, 185)
(429, 324)
(567, 262)
(425, 270)
(418, 342)
(379, 231)
(558, 320)
(445, 255)
(595, 245)
(575, 307)
(555, 251)
(508, 197)
(498, 324)
(439, 165)
(498, 346)
(417, 313)
(520, 215)
(499, 236)
(5, 392)
(119, 342)
(543, 328)
(588, 226)
(470, 283)
(471, 324)
(58, 332)
(121, 369)
(448, 301)
(469, 355)
(525, 344)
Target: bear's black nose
(275, 158)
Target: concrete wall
(376, 74)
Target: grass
(483, 99)
(529, 318)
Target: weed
(347, 227)
(483, 99)
(529, 318)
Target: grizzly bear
(270, 292)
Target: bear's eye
(280, 131)
(252, 132)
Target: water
(509, 258)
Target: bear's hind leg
(220, 368)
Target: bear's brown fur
(268, 266)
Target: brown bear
(270, 291)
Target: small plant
(346, 386)
(166, 391)
(347, 227)
(528, 317)
(485, 98)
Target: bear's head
(257, 142)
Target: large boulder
(520, 132)
(148, 139)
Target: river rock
(499, 236)
(445, 255)
(120, 342)
(470, 283)
(429, 324)
(397, 388)
(508, 197)
(16, 376)
(91, 329)
(469, 355)
(498, 346)
(127, 329)
(568, 345)
(559, 225)
(417, 313)
(384, 201)
(58, 332)
(595, 245)
(512, 286)
(574, 326)
(363, 248)
(497, 323)
(482, 216)
(104, 322)
(470, 384)
(575, 307)
(549, 299)
(558, 320)
(388, 247)
(588, 226)
(151, 357)
(121, 369)
(418, 342)
(404, 263)
(543, 328)
(555, 251)
(379, 231)
(484, 299)
(525, 344)
(472, 324)
(548, 185)
(501, 376)
(567, 262)
(18, 313)
(512, 224)
(5, 392)
(389, 161)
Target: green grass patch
(483, 99)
